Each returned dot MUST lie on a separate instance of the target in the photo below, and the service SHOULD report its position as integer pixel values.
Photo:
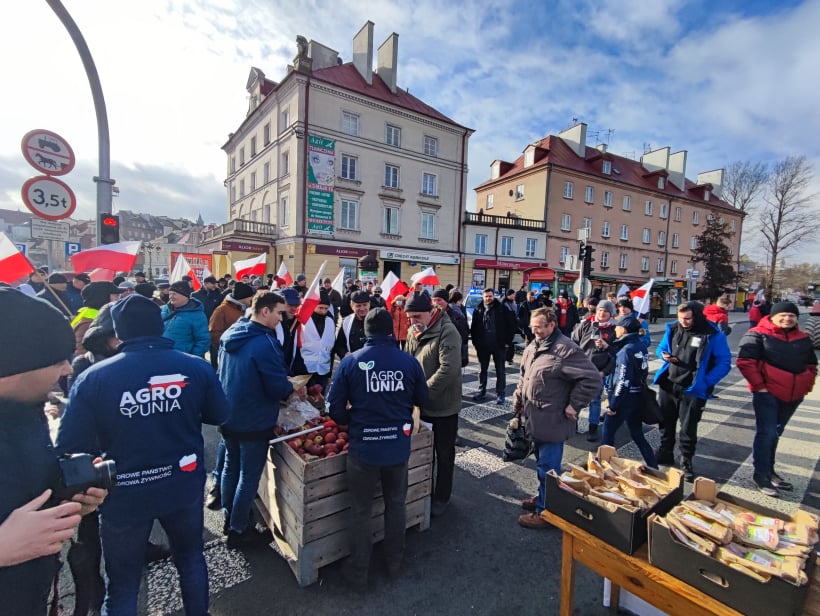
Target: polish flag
(640, 297)
(13, 263)
(183, 268)
(206, 272)
(311, 299)
(102, 274)
(249, 267)
(624, 290)
(338, 283)
(425, 277)
(283, 276)
(118, 257)
(187, 464)
(392, 287)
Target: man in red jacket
(777, 360)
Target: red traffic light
(110, 221)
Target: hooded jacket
(778, 360)
(631, 370)
(719, 316)
(187, 327)
(254, 376)
(209, 299)
(382, 383)
(225, 315)
(144, 409)
(438, 350)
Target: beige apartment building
(336, 162)
(643, 216)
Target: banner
(321, 180)
(198, 262)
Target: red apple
(340, 443)
(330, 437)
(330, 453)
(342, 435)
(346, 446)
(318, 439)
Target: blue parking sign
(72, 248)
(22, 248)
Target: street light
(148, 249)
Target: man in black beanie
(351, 334)
(32, 531)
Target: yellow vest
(84, 313)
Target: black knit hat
(34, 334)
(182, 287)
(419, 302)
(136, 316)
(242, 291)
(211, 279)
(442, 294)
(98, 294)
(360, 297)
(378, 322)
(324, 298)
(784, 307)
(57, 279)
(146, 289)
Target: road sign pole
(48, 256)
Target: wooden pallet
(306, 504)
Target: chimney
(387, 61)
(576, 138)
(715, 178)
(656, 159)
(677, 169)
(601, 147)
(363, 52)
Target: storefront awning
(538, 274)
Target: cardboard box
(718, 580)
(623, 529)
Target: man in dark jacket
(32, 527)
(334, 296)
(440, 299)
(525, 309)
(74, 291)
(351, 336)
(492, 330)
(56, 295)
(209, 296)
(521, 295)
(253, 373)
(144, 408)
(380, 421)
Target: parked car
(805, 300)
(470, 302)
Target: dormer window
(661, 182)
(606, 167)
(706, 194)
(529, 157)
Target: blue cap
(291, 296)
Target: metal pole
(104, 182)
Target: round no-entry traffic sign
(48, 152)
(49, 198)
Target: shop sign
(420, 257)
(244, 246)
(508, 265)
(339, 251)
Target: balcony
(509, 221)
(240, 228)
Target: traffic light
(581, 250)
(588, 250)
(109, 229)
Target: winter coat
(554, 374)
(382, 384)
(350, 336)
(503, 321)
(187, 327)
(80, 325)
(525, 309)
(567, 315)
(778, 360)
(714, 360)
(812, 329)
(254, 376)
(209, 300)
(51, 295)
(31, 467)
(400, 321)
(604, 359)
(719, 316)
(631, 370)
(73, 299)
(438, 350)
(225, 315)
(144, 408)
(460, 321)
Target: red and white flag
(206, 272)
(311, 298)
(13, 263)
(283, 277)
(624, 290)
(425, 277)
(251, 267)
(640, 297)
(183, 268)
(392, 287)
(338, 283)
(118, 257)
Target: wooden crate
(306, 504)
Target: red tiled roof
(624, 170)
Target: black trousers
(445, 430)
(677, 405)
(499, 357)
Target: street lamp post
(148, 249)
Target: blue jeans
(595, 408)
(124, 544)
(244, 463)
(220, 463)
(547, 458)
(632, 418)
(771, 417)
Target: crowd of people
(132, 359)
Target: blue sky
(724, 80)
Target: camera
(596, 334)
(78, 472)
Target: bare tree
(786, 218)
(742, 183)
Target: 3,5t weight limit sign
(49, 197)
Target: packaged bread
(758, 536)
(712, 530)
(687, 537)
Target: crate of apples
(330, 441)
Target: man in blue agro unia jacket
(185, 321)
(381, 383)
(144, 409)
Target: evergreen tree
(713, 251)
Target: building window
(266, 173)
(607, 199)
(695, 218)
(349, 214)
(530, 246)
(706, 195)
(627, 203)
(489, 201)
(284, 212)
(285, 117)
(253, 181)
(644, 264)
(284, 167)
(266, 134)
(587, 223)
(529, 157)
(568, 187)
(645, 236)
(624, 232)
(391, 176)
(675, 240)
(429, 185)
(605, 229)
(430, 146)
(566, 224)
(481, 244)
(241, 156)
(233, 193)
(677, 214)
(673, 267)
(519, 192)
(562, 257)
(506, 246)
(622, 261)
(661, 238)
(732, 226)
(428, 226)
(350, 123)
(661, 182)
(233, 164)
(605, 259)
(659, 266)
(589, 195)
(606, 167)
(242, 187)
(390, 222)
(693, 243)
(648, 210)
(349, 167)
(662, 212)
(392, 135)
(253, 146)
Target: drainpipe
(460, 276)
(305, 140)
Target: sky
(730, 80)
